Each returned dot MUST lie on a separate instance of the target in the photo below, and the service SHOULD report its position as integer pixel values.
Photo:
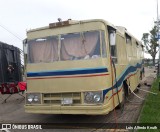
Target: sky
(18, 16)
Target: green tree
(150, 41)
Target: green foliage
(151, 42)
(151, 109)
(150, 112)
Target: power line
(11, 32)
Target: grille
(55, 98)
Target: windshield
(80, 46)
(72, 46)
(43, 50)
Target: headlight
(93, 97)
(36, 98)
(89, 96)
(33, 98)
(97, 98)
(30, 98)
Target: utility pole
(158, 23)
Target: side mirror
(112, 38)
(25, 46)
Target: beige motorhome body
(70, 71)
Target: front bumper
(86, 110)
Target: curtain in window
(43, 51)
(76, 45)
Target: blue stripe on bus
(68, 72)
(130, 70)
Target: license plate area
(66, 101)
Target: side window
(112, 41)
(104, 52)
(129, 45)
(128, 39)
(142, 53)
(137, 44)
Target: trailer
(10, 55)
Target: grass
(151, 110)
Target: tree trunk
(153, 60)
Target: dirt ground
(13, 111)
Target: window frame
(102, 39)
(114, 57)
